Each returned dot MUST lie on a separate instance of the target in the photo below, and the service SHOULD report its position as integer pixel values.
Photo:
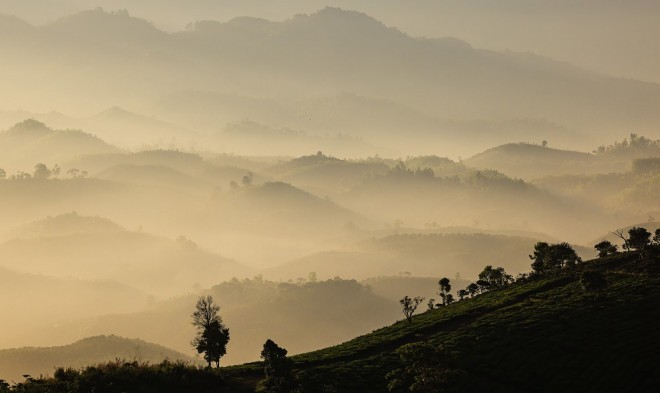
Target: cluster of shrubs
(120, 376)
(547, 259)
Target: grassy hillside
(543, 335)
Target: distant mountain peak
(29, 127)
(117, 111)
(352, 24)
(98, 22)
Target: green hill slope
(545, 336)
(537, 335)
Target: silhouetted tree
(431, 304)
(483, 286)
(472, 289)
(552, 258)
(445, 287)
(425, 369)
(278, 370)
(639, 239)
(495, 277)
(247, 179)
(212, 336)
(538, 257)
(593, 281)
(213, 343)
(619, 233)
(656, 237)
(41, 171)
(409, 305)
(75, 173)
(4, 386)
(462, 294)
(605, 248)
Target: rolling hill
(253, 309)
(53, 300)
(275, 207)
(529, 161)
(133, 130)
(421, 255)
(30, 142)
(485, 199)
(155, 264)
(14, 363)
(325, 174)
(541, 334)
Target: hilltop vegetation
(620, 192)
(418, 254)
(36, 362)
(531, 161)
(543, 333)
(30, 138)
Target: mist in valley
(306, 164)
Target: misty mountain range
(321, 54)
(320, 168)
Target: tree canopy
(277, 368)
(212, 336)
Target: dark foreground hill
(538, 335)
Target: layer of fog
(319, 159)
(220, 86)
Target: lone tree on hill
(410, 305)
(212, 336)
(278, 370)
(605, 248)
(445, 287)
